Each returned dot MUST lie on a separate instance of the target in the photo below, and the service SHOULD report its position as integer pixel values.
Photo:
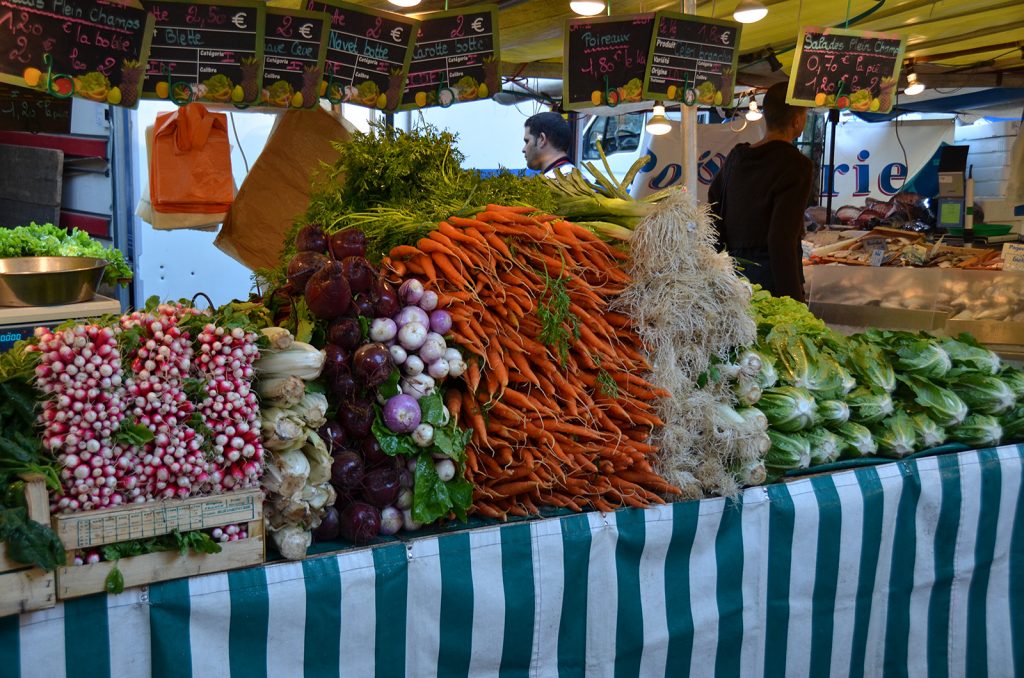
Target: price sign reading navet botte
(368, 54)
(605, 60)
(294, 48)
(29, 110)
(94, 50)
(692, 59)
(837, 68)
(455, 58)
(206, 51)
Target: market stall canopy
(964, 43)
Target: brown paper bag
(277, 188)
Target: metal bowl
(49, 281)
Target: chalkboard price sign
(692, 59)
(206, 50)
(94, 50)
(837, 68)
(605, 60)
(455, 58)
(294, 48)
(29, 110)
(368, 54)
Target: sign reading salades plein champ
(605, 60)
(692, 60)
(86, 48)
(838, 68)
(454, 59)
(206, 50)
(294, 48)
(368, 54)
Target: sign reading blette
(29, 110)
(837, 68)
(96, 50)
(605, 60)
(454, 58)
(206, 50)
(294, 48)
(368, 54)
(692, 53)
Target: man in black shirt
(760, 196)
(546, 142)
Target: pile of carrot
(551, 428)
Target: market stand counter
(914, 566)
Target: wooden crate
(22, 587)
(92, 529)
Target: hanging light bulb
(405, 3)
(659, 124)
(914, 86)
(753, 113)
(585, 7)
(749, 11)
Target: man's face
(531, 150)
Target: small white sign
(1013, 256)
(878, 256)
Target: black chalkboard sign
(368, 54)
(94, 50)
(838, 68)
(455, 58)
(206, 50)
(29, 110)
(605, 60)
(294, 48)
(692, 59)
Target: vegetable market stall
(914, 565)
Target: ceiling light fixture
(585, 7)
(753, 114)
(659, 124)
(749, 11)
(405, 3)
(914, 86)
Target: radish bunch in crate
(157, 405)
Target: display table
(910, 567)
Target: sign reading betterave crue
(454, 58)
(368, 54)
(29, 110)
(206, 50)
(837, 68)
(605, 60)
(692, 59)
(294, 48)
(95, 50)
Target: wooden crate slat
(25, 590)
(82, 580)
(142, 521)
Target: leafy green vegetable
(393, 444)
(432, 409)
(433, 498)
(833, 412)
(788, 451)
(195, 541)
(977, 430)
(788, 408)
(924, 359)
(929, 433)
(47, 240)
(855, 440)
(770, 312)
(867, 407)
(896, 436)
(30, 542)
(871, 366)
(825, 445)
(968, 356)
(942, 405)
(1013, 423)
(984, 393)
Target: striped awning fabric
(910, 568)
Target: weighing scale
(19, 322)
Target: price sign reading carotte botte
(206, 51)
(94, 50)
(368, 54)
(605, 60)
(692, 60)
(837, 68)
(294, 48)
(29, 110)
(455, 58)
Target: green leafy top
(47, 240)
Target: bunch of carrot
(560, 417)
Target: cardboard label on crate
(1013, 256)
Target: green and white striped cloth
(911, 568)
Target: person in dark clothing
(759, 198)
(546, 140)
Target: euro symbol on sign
(306, 31)
(396, 34)
(477, 25)
(725, 37)
(239, 20)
